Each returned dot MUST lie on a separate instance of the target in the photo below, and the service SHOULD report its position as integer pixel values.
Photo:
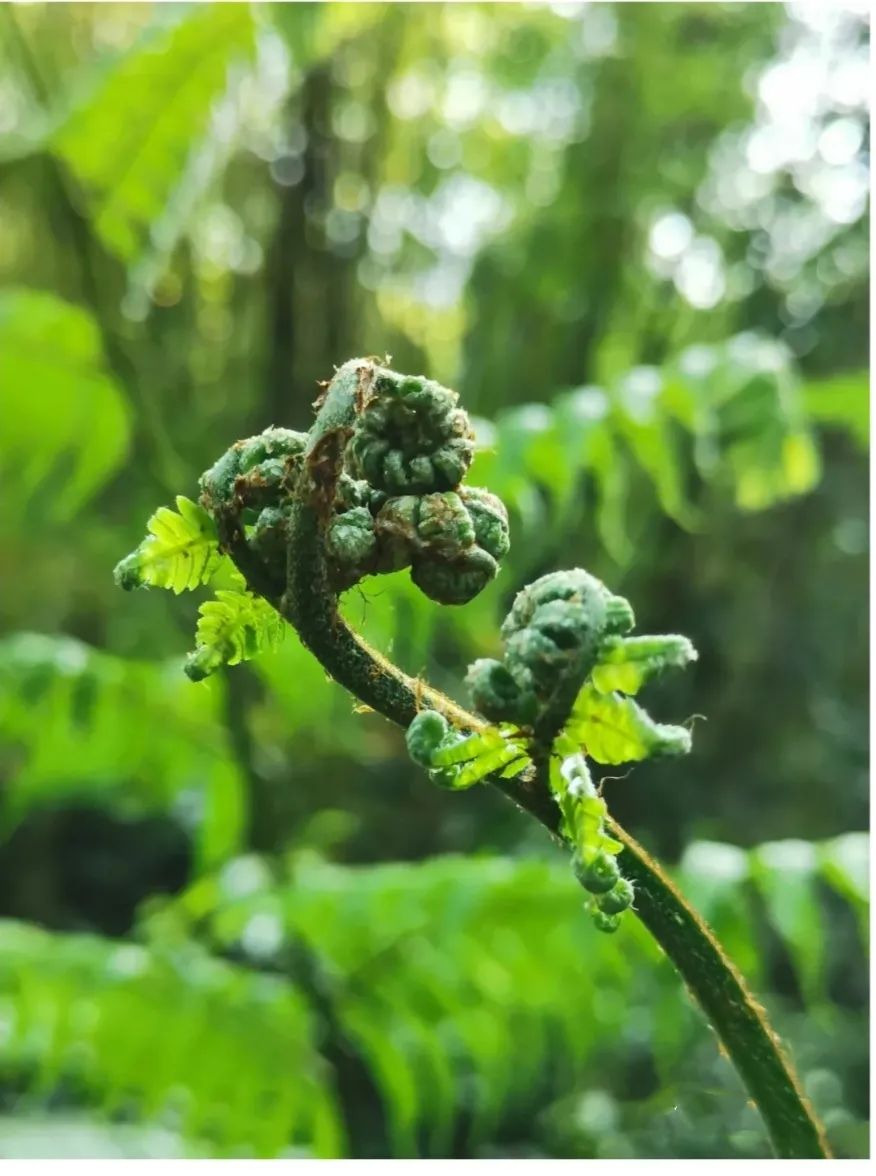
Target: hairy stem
(721, 992)
(311, 607)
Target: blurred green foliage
(634, 237)
(419, 977)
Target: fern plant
(376, 485)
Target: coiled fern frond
(560, 695)
(375, 486)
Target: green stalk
(312, 608)
(719, 989)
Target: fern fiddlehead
(376, 486)
(550, 714)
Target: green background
(237, 920)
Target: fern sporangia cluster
(287, 521)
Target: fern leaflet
(627, 663)
(613, 729)
(180, 552)
(458, 761)
(233, 627)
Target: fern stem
(311, 607)
(721, 992)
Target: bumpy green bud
(490, 520)
(262, 485)
(269, 538)
(599, 875)
(272, 443)
(574, 585)
(395, 527)
(350, 544)
(619, 616)
(406, 447)
(351, 492)
(532, 653)
(497, 695)
(218, 484)
(618, 899)
(425, 734)
(454, 581)
(556, 627)
(570, 626)
(411, 438)
(436, 535)
(444, 525)
(604, 922)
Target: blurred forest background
(235, 919)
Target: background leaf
(842, 401)
(66, 427)
(129, 144)
(138, 737)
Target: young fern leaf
(594, 851)
(465, 749)
(489, 759)
(458, 761)
(367, 452)
(567, 668)
(232, 628)
(583, 809)
(180, 552)
(627, 663)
